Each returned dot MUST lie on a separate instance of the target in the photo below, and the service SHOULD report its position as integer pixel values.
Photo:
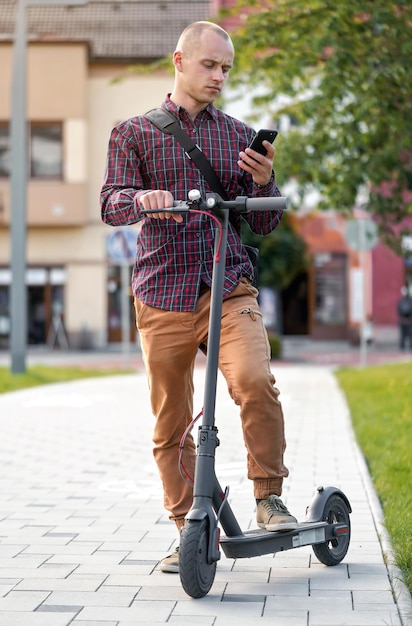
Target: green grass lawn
(380, 402)
(42, 375)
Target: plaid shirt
(173, 258)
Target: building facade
(79, 86)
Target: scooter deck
(260, 541)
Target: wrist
(270, 181)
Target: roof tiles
(116, 30)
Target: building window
(46, 151)
(4, 150)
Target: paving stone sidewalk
(82, 526)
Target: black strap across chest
(169, 124)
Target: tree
(282, 254)
(340, 71)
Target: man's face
(204, 71)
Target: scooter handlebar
(241, 204)
(179, 206)
(272, 203)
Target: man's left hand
(259, 165)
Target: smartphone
(263, 134)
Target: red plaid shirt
(173, 258)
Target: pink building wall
(387, 280)
(388, 276)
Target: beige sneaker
(272, 515)
(170, 563)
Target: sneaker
(272, 515)
(170, 563)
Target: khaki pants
(170, 342)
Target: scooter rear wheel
(332, 552)
(196, 574)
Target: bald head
(192, 34)
(203, 59)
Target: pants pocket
(140, 309)
(254, 313)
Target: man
(147, 169)
(404, 310)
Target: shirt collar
(209, 111)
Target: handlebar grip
(179, 206)
(272, 203)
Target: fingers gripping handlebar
(214, 203)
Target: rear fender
(315, 512)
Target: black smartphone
(262, 135)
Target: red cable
(219, 225)
(183, 471)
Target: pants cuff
(180, 522)
(262, 489)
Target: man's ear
(177, 60)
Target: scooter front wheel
(335, 512)
(196, 574)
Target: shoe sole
(280, 527)
(169, 569)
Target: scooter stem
(215, 316)
(207, 492)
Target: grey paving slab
(14, 618)
(82, 526)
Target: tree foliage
(341, 72)
(282, 254)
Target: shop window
(115, 285)
(45, 305)
(4, 150)
(330, 289)
(4, 315)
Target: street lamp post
(18, 184)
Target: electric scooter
(327, 523)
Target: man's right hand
(159, 200)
